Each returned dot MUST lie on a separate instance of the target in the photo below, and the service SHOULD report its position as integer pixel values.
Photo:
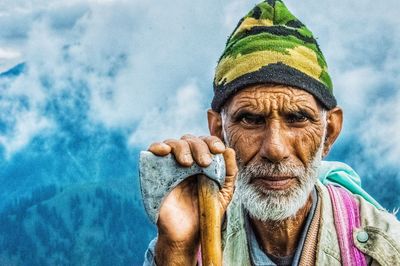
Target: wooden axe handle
(210, 221)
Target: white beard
(276, 205)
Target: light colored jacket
(381, 248)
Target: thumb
(226, 192)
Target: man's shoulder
(379, 234)
(374, 217)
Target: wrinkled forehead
(266, 98)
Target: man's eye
(296, 118)
(252, 119)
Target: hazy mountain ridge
(14, 71)
(92, 224)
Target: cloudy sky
(145, 69)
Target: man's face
(277, 133)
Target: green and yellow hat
(270, 45)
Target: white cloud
(355, 87)
(234, 11)
(21, 108)
(118, 59)
(26, 126)
(380, 133)
(125, 55)
(8, 58)
(7, 54)
(184, 113)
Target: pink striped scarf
(347, 218)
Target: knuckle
(202, 148)
(209, 139)
(188, 136)
(182, 146)
(214, 138)
(204, 139)
(196, 143)
(170, 141)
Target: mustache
(267, 169)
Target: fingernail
(205, 159)
(219, 145)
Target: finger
(181, 151)
(230, 168)
(160, 148)
(215, 145)
(200, 152)
(228, 188)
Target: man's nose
(275, 144)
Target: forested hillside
(91, 224)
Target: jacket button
(362, 237)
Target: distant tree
(42, 233)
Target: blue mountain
(14, 71)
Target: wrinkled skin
(269, 124)
(261, 123)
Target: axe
(160, 175)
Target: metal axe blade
(160, 175)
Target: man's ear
(215, 124)
(334, 124)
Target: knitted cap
(270, 45)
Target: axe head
(160, 175)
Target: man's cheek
(245, 143)
(307, 143)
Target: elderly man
(274, 117)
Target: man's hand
(178, 221)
